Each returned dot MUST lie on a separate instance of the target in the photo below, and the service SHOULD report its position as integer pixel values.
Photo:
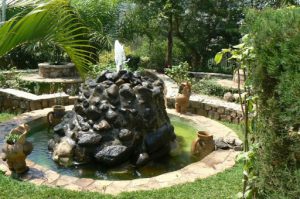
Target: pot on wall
(183, 97)
(54, 117)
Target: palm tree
(53, 21)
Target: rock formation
(119, 117)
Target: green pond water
(185, 131)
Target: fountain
(119, 117)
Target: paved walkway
(212, 164)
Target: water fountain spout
(120, 57)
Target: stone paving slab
(19, 93)
(36, 78)
(212, 164)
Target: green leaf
(219, 57)
(239, 46)
(54, 21)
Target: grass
(235, 127)
(222, 185)
(6, 116)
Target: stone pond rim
(119, 117)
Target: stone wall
(15, 101)
(213, 111)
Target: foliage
(102, 18)
(261, 4)
(210, 87)
(244, 56)
(275, 76)
(6, 116)
(53, 21)
(12, 138)
(202, 27)
(19, 58)
(179, 73)
(47, 51)
(12, 80)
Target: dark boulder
(112, 155)
(89, 139)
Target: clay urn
(54, 117)
(203, 145)
(183, 97)
(16, 149)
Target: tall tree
(203, 26)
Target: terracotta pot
(203, 145)
(183, 97)
(54, 117)
(15, 153)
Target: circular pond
(184, 129)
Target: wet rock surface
(119, 117)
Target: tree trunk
(196, 58)
(168, 63)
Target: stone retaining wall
(213, 111)
(15, 101)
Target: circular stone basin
(185, 130)
(216, 162)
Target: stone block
(233, 114)
(202, 112)
(236, 120)
(207, 107)
(221, 110)
(23, 105)
(226, 118)
(210, 114)
(35, 105)
(216, 116)
(72, 100)
(51, 102)
(195, 104)
(45, 103)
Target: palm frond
(53, 21)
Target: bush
(276, 80)
(210, 87)
(179, 73)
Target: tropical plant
(244, 56)
(54, 21)
(12, 138)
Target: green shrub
(276, 81)
(12, 138)
(179, 73)
(210, 87)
